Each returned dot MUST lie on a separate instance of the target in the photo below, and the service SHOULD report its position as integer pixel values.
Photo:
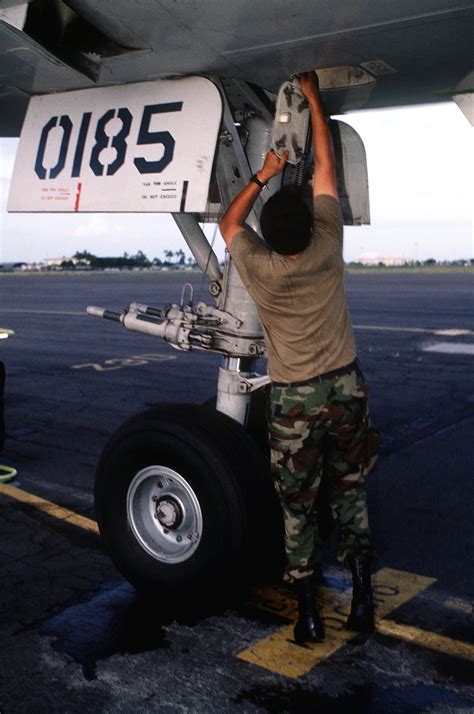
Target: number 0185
(118, 141)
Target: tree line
(85, 260)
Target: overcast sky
(420, 163)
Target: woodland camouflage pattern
(321, 428)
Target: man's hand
(232, 222)
(309, 84)
(324, 179)
(272, 166)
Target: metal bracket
(233, 382)
(253, 384)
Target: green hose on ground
(7, 473)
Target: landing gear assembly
(184, 497)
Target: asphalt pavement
(76, 636)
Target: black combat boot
(361, 618)
(309, 627)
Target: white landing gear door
(145, 147)
(351, 172)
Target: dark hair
(286, 222)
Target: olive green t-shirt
(301, 302)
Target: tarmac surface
(75, 636)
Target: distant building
(377, 259)
(28, 267)
(53, 263)
(57, 263)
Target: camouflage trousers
(321, 429)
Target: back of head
(286, 222)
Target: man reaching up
(318, 402)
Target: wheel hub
(169, 512)
(164, 514)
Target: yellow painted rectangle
(52, 509)
(278, 600)
(278, 652)
(393, 588)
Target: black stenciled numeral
(66, 125)
(81, 142)
(145, 136)
(118, 142)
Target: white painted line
(453, 332)
(44, 312)
(119, 362)
(446, 347)
(450, 348)
(459, 604)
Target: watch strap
(256, 180)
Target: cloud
(96, 226)
(8, 149)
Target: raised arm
(232, 222)
(324, 179)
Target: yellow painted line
(50, 508)
(431, 640)
(278, 652)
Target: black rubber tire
(229, 476)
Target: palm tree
(180, 256)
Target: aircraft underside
(400, 53)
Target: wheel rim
(164, 514)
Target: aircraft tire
(184, 502)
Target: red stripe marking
(78, 196)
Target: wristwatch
(256, 180)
